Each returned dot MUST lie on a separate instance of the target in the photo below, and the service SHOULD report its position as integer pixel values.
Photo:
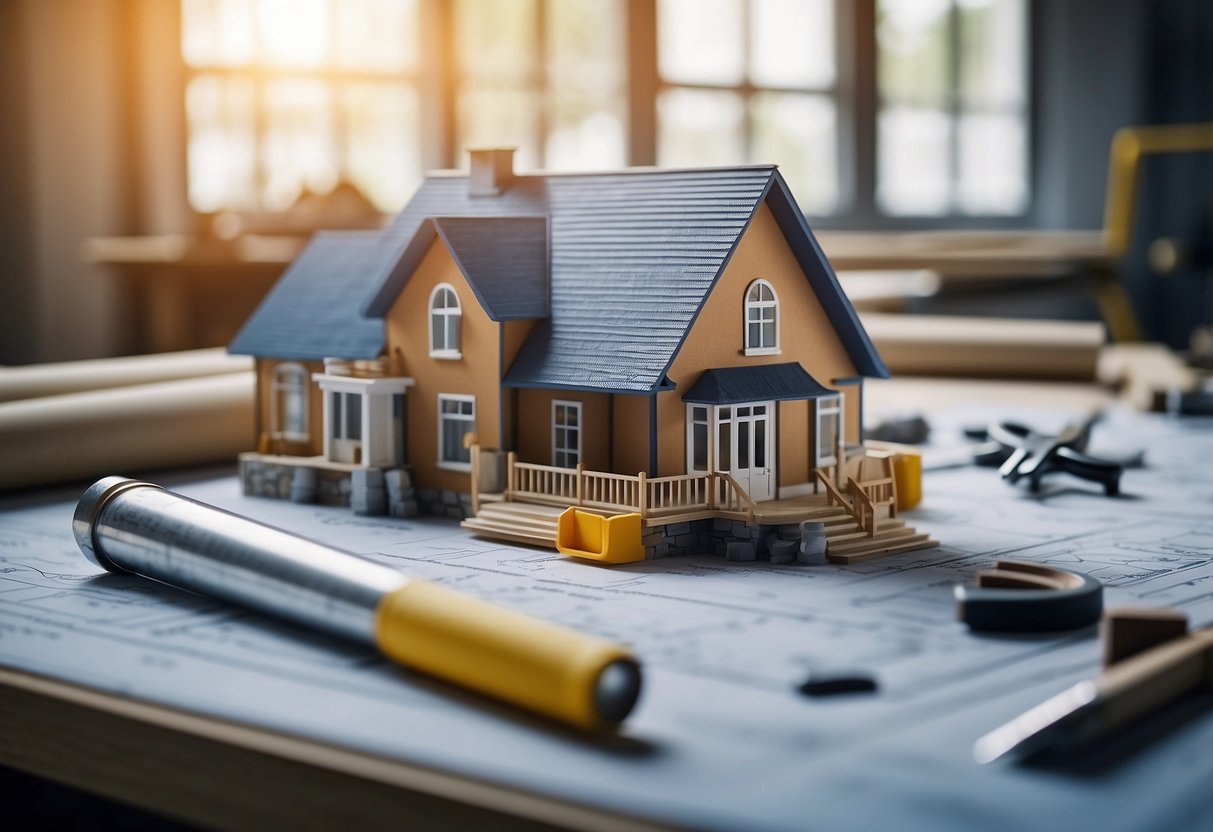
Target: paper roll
(99, 374)
(128, 429)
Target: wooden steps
(527, 523)
(535, 525)
(879, 548)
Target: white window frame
(709, 422)
(579, 429)
(470, 420)
(759, 306)
(289, 380)
(340, 405)
(826, 406)
(446, 351)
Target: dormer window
(445, 313)
(761, 319)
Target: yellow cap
(587, 682)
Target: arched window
(289, 402)
(761, 319)
(445, 313)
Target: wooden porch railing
(864, 508)
(658, 497)
(541, 483)
(861, 505)
(729, 498)
(834, 497)
(882, 492)
(649, 497)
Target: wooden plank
(882, 551)
(151, 756)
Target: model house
(670, 340)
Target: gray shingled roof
(313, 311)
(505, 261)
(634, 255)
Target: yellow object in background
(907, 472)
(584, 534)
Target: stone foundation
(456, 505)
(714, 536)
(368, 491)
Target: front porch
(690, 512)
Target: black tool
(1023, 453)
(1019, 596)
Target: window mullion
(860, 32)
(954, 107)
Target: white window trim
(344, 397)
(277, 385)
(709, 451)
(749, 304)
(580, 427)
(454, 397)
(456, 311)
(824, 407)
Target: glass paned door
(743, 446)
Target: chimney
(492, 170)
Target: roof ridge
(461, 173)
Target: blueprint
(721, 738)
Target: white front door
(745, 447)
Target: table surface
(144, 694)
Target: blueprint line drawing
(724, 647)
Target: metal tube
(129, 526)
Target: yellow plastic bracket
(584, 534)
(907, 471)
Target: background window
(872, 109)
(751, 81)
(456, 417)
(287, 95)
(952, 131)
(545, 76)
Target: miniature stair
(850, 544)
(535, 525)
(516, 522)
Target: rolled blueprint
(146, 426)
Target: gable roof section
(825, 283)
(759, 383)
(313, 312)
(504, 260)
(633, 256)
(673, 240)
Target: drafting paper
(720, 738)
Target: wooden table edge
(223, 774)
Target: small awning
(761, 383)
